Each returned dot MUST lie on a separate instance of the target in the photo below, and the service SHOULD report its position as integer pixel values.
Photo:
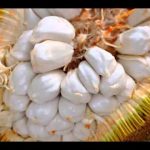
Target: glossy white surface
(21, 78)
(81, 132)
(20, 126)
(127, 91)
(135, 41)
(37, 132)
(22, 48)
(73, 90)
(59, 126)
(113, 84)
(102, 61)
(50, 55)
(53, 28)
(70, 111)
(45, 87)
(15, 102)
(89, 78)
(42, 113)
(135, 66)
(102, 105)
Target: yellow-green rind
(128, 118)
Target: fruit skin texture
(59, 126)
(89, 77)
(135, 41)
(102, 61)
(50, 55)
(39, 132)
(22, 48)
(15, 102)
(81, 132)
(42, 113)
(21, 78)
(21, 127)
(70, 111)
(73, 90)
(102, 105)
(113, 84)
(53, 28)
(48, 84)
(137, 67)
(127, 92)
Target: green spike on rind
(133, 119)
(136, 117)
(126, 126)
(119, 130)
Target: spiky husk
(129, 119)
(11, 23)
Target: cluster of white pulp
(33, 16)
(51, 105)
(135, 52)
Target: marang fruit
(66, 131)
